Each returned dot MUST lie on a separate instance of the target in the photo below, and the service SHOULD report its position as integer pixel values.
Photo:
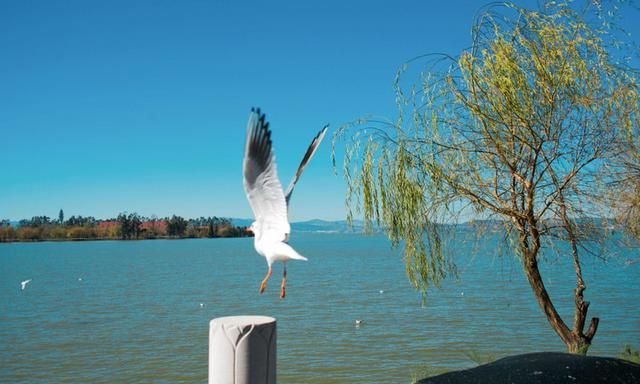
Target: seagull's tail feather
(298, 256)
(284, 252)
(293, 254)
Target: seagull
(23, 284)
(359, 322)
(266, 197)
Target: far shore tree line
(126, 226)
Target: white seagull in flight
(23, 284)
(266, 197)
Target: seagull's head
(252, 228)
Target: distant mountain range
(315, 225)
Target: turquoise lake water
(112, 311)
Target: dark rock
(545, 368)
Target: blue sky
(112, 106)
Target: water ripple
(106, 312)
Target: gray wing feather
(305, 160)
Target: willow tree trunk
(575, 340)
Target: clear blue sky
(141, 106)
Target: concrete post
(242, 350)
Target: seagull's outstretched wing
(307, 156)
(261, 183)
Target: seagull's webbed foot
(264, 282)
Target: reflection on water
(139, 311)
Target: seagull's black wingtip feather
(260, 138)
(256, 110)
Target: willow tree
(626, 187)
(519, 128)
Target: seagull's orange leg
(264, 282)
(284, 281)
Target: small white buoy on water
(381, 291)
(79, 278)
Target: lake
(130, 311)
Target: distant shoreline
(54, 240)
(127, 226)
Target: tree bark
(544, 301)
(581, 341)
(575, 340)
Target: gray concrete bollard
(242, 350)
